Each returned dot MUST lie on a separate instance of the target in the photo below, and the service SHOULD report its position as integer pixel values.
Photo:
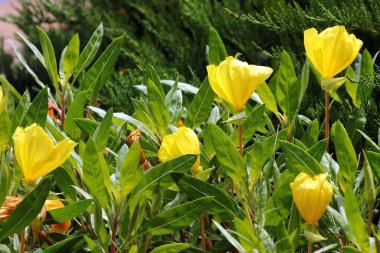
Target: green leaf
(75, 111)
(68, 245)
(343, 223)
(68, 212)
(246, 236)
(228, 156)
(5, 180)
(175, 107)
(27, 210)
(346, 156)
(49, 57)
(317, 150)
(216, 51)
(150, 73)
(34, 49)
(350, 249)
(298, 160)
(267, 97)
(200, 106)
(176, 218)
(21, 109)
(352, 87)
(99, 73)
(287, 88)
(332, 84)
(370, 142)
(102, 132)
(374, 162)
(356, 121)
(5, 131)
(89, 52)
(250, 125)
(10, 88)
(358, 226)
(171, 248)
(229, 237)
(369, 186)
(195, 189)
(130, 174)
(93, 174)
(312, 133)
(71, 57)
(65, 182)
(304, 78)
(159, 176)
(158, 108)
(257, 161)
(37, 111)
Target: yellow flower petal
(235, 81)
(182, 142)
(36, 154)
(311, 196)
(332, 50)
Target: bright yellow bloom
(60, 227)
(235, 81)
(180, 143)
(331, 51)
(311, 196)
(36, 153)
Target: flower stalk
(327, 120)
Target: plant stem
(146, 244)
(241, 140)
(370, 216)
(43, 236)
(203, 235)
(63, 108)
(309, 247)
(22, 240)
(113, 237)
(327, 120)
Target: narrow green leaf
(352, 87)
(68, 212)
(158, 108)
(346, 156)
(195, 189)
(68, 245)
(317, 150)
(171, 248)
(71, 57)
(159, 176)
(374, 162)
(5, 180)
(5, 131)
(370, 142)
(200, 106)
(216, 51)
(49, 57)
(369, 186)
(102, 132)
(27, 210)
(130, 174)
(65, 182)
(356, 121)
(10, 87)
(34, 49)
(21, 109)
(176, 218)
(267, 97)
(93, 174)
(175, 107)
(358, 226)
(312, 133)
(287, 88)
(228, 156)
(75, 111)
(298, 160)
(229, 237)
(250, 125)
(38, 110)
(150, 73)
(89, 52)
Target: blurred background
(172, 35)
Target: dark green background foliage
(172, 36)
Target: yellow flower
(36, 153)
(60, 227)
(311, 196)
(331, 51)
(235, 81)
(180, 143)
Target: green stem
(370, 216)
(309, 247)
(203, 234)
(146, 244)
(327, 120)
(22, 240)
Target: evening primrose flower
(59, 227)
(311, 196)
(235, 81)
(36, 153)
(332, 50)
(180, 143)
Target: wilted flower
(180, 143)
(59, 227)
(311, 196)
(235, 81)
(36, 153)
(331, 51)
(9, 206)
